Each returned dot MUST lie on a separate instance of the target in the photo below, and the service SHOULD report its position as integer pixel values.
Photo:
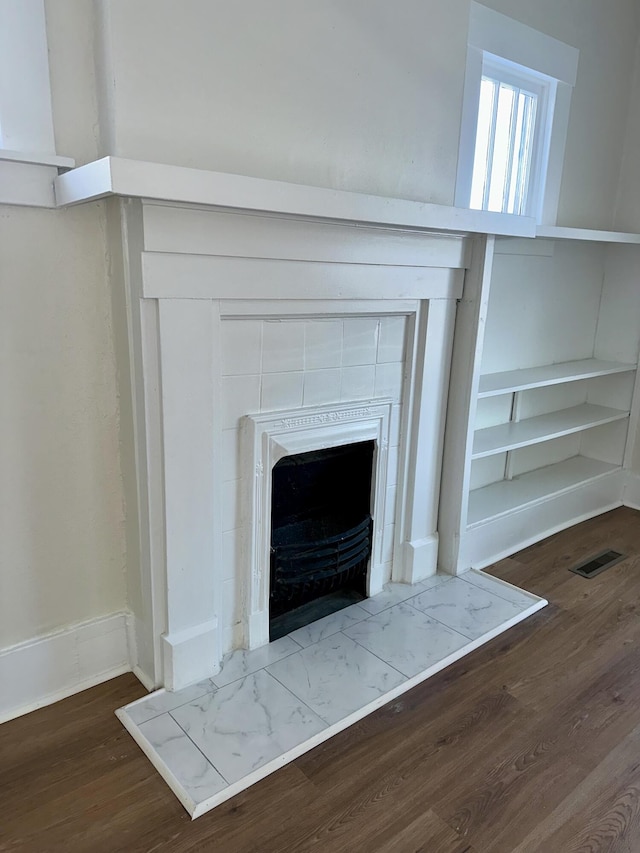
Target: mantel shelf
(117, 176)
(560, 232)
(494, 384)
(511, 436)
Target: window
(515, 115)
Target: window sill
(26, 178)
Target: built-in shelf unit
(544, 398)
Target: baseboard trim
(42, 671)
(631, 496)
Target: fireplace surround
(241, 319)
(271, 437)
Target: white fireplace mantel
(216, 271)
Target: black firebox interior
(321, 531)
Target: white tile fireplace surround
(257, 336)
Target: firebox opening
(321, 530)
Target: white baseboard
(44, 670)
(502, 536)
(632, 490)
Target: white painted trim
(26, 119)
(267, 438)
(27, 184)
(491, 33)
(500, 537)
(49, 668)
(188, 230)
(38, 157)
(503, 36)
(561, 232)
(155, 181)
(428, 368)
(191, 655)
(419, 559)
(631, 494)
(190, 419)
(213, 277)
(466, 362)
(143, 678)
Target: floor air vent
(594, 565)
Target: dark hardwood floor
(530, 744)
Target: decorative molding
(42, 671)
(270, 437)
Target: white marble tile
(512, 594)
(336, 677)
(329, 625)
(465, 608)
(242, 662)
(164, 700)
(248, 723)
(182, 758)
(406, 639)
(394, 593)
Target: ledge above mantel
(117, 176)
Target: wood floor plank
(600, 814)
(529, 745)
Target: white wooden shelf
(561, 232)
(494, 384)
(508, 495)
(120, 176)
(511, 436)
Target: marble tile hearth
(268, 706)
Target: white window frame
(28, 160)
(509, 47)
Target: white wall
(359, 95)
(62, 552)
(628, 203)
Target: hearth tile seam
(450, 627)
(143, 699)
(401, 674)
(497, 582)
(248, 675)
(253, 671)
(208, 760)
(414, 595)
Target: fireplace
(331, 474)
(321, 530)
(257, 339)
